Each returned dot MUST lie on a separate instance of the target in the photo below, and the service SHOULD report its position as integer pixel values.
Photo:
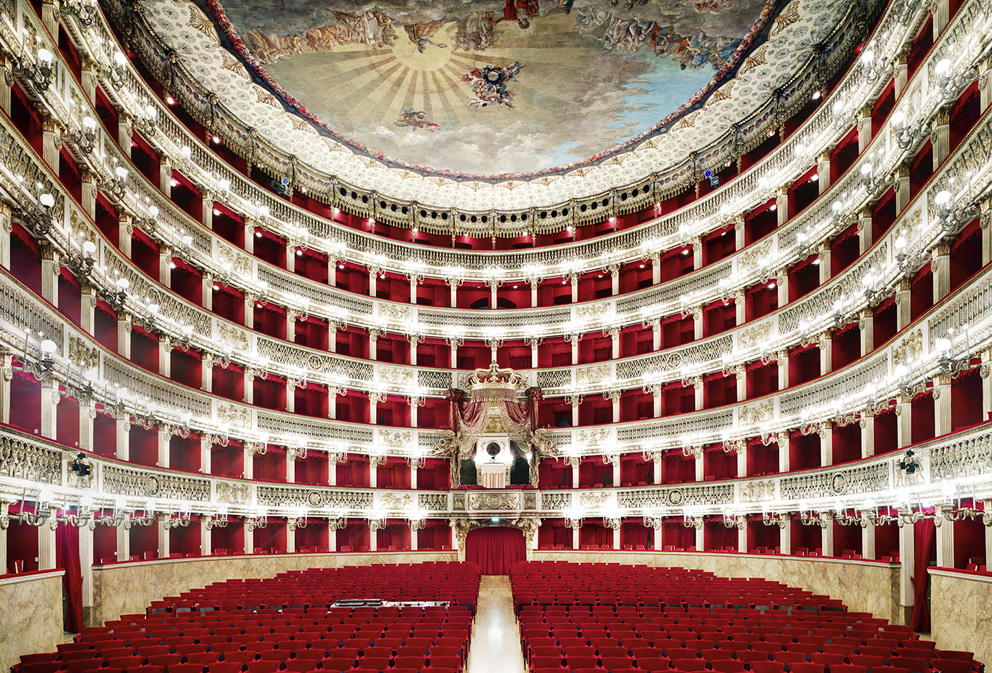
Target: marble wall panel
(128, 588)
(30, 615)
(862, 586)
(961, 612)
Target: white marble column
(868, 542)
(6, 227)
(206, 539)
(290, 537)
(907, 565)
(903, 305)
(827, 535)
(123, 544)
(87, 307)
(50, 143)
(782, 287)
(163, 539)
(864, 127)
(945, 538)
(782, 363)
(165, 177)
(87, 414)
(50, 270)
(123, 436)
(904, 424)
(49, 409)
(164, 436)
(941, 268)
(124, 335)
(6, 374)
(206, 446)
(46, 548)
(901, 187)
(85, 566)
(165, 356)
(942, 408)
(785, 538)
(865, 233)
(867, 436)
(782, 206)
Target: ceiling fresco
(479, 87)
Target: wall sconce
(84, 138)
(775, 519)
(38, 216)
(38, 72)
(118, 70)
(42, 365)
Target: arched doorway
(495, 548)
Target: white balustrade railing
(946, 470)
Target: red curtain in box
(926, 547)
(636, 535)
(554, 533)
(354, 472)
(434, 475)
(554, 474)
(595, 535)
(67, 558)
(718, 537)
(354, 538)
(394, 537)
(394, 473)
(676, 537)
(434, 535)
(495, 549)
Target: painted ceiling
(202, 44)
(483, 87)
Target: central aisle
(495, 638)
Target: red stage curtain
(495, 549)
(67, 558)
(926, 544)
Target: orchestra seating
(586, 618)
(287, 623)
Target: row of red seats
(551, 583)
(255, 626)
(703, 623)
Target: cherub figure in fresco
(489, 84)
(416, 119)
(477, 31)
(630, 3)
(270, 48)
(374, 29)
(326, 38)
(626, 34)
(421, 33)
(661, 38)
(521, 11)
(708, 6)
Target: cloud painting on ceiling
(486, 87)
